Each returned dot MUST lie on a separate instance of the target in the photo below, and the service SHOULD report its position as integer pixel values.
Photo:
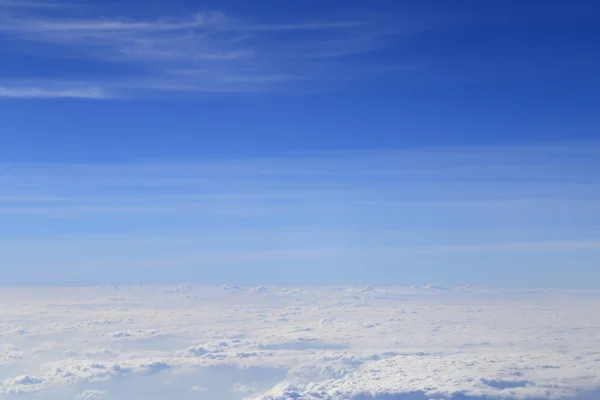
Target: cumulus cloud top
(312, 343)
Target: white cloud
(23, 384)
(137, 334)
(232, 288)
(10, 355)
(91, 395)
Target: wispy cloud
(16, 4)
(52, 93)
(203, 52)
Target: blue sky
(299, 142)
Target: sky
(300, 142)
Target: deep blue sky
(481, 116)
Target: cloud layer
(311, 343)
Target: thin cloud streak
(200, 258)
(52, 93)
(30, 4)
(318, 253)
(306, 26)
(522, 165)
(99, 26)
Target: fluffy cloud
(22, 385)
